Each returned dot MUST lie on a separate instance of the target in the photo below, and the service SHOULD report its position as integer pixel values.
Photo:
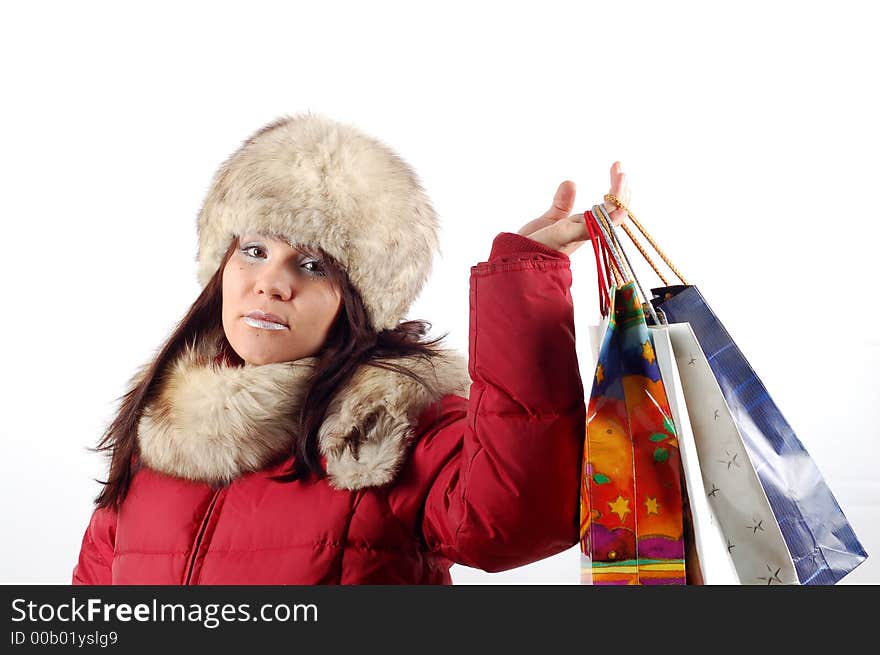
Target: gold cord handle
(616, 201)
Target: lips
(265, 317)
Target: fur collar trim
(212, 422)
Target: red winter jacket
(490, 481)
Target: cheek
(234, 279)
(332, 303)
(231, 290)
(325, 305)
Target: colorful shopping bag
(631, 496)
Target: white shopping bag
(716, 566)
(735, 496)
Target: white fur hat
(320, 183)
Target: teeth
(265, 325)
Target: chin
(262, 358)
(255, 350)
(257, 357)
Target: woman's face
(265, 274)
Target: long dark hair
(351, 342)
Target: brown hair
(351, 342)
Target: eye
(247, 249)
(318, 268)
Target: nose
(276, 282)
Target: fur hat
(320, 183)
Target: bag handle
(607, 227)
(603, 274)
(604, 261)
(606, 254)
(609, 197)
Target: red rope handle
(603, 271)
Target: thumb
(563, 201)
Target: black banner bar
(409, 619)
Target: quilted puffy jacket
(490, 480)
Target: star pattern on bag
(730, 545)
(714, 491)
(717, 414)
(731, 460)
(648, 352)
(759, 525)
(693, 360)
(620, 506)
(773, 575)
(652, 506)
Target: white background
(749, 133)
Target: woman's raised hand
(566, 232)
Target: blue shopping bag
(822, 543)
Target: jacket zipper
(201, 534)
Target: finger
(563, 201)
(574, 228)
(619, 188)
(624, 188)
(618, 216)
(617, 184)
(617, 176)
(558, 234)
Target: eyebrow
(303, 250)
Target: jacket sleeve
(96, 553)
(507, 493)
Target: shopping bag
(631, 497)
(712, 556)
(738, 511)
(820, 540)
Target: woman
(292, 430)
